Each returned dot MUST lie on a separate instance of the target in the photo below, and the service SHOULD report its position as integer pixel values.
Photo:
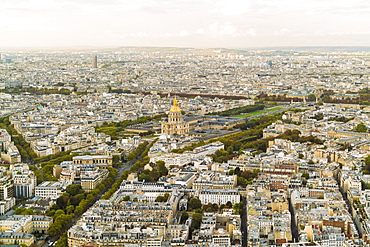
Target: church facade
(175, 124)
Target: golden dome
(175, 107)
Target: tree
(54, 229)
(238, 207)
(311, 97)
(116, 159)
(319, 116)
(194, 203)
(306, 175)
(70, 209)
(162, 169)
(23, 211)
(50, 213)
(184, 217)
(78, 210)
(61, 223)
(248, 175)
(74, 189)
(62, 241)
(345, 146)
(126, 198)
(28, 212)
(237, 171)
(196, 221)
(131, 156)
(19, 211)
(166, 195)
(239, 110)
(241, 181)
(58, 213)
(198, 210)
(163, 198)
(48, 171)
(145, 177)
(367, 164)
(364, 185)
(361, 128)
(160, 199)
(367, 160)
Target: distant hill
(272, 48)
(315, 48)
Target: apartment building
(219, 196)
(50, 189)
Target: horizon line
(88, 47)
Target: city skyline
(199, 24)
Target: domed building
(175, 125)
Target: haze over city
(180, 23)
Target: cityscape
(184, 147)
(198, 123)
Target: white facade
(219, 196)
(24, 180)
(49, 189)
(172, 159)
(6, 205)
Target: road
(244, 225)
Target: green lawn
(153, 136)
(260, 112)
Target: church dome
(175, 107)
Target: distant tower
(95, 62)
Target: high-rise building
(95, 62)
(24, 180)
(6, 187)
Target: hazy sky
(185, 23)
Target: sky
(184, 23)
